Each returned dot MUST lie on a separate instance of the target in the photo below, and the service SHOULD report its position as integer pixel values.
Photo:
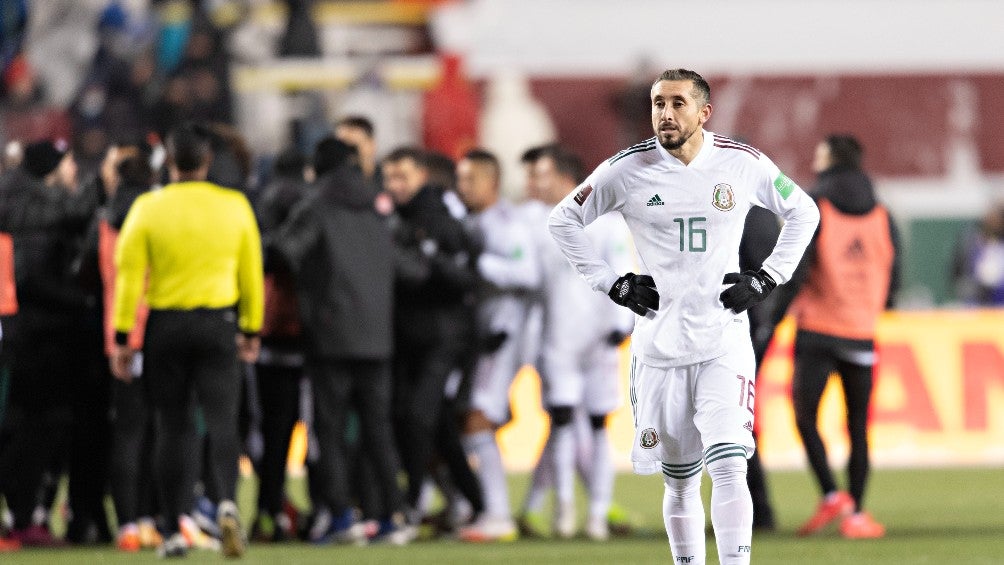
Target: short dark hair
(332, 153)
(289, 163)
(136, 171)
(532, 154)
(359, 122)
(701, 85)
(565, 161)
(486, 158)
(845, 150)
(416, 154)
(569, 164)
(188, 147)
(442, 170)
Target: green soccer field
(932, 516)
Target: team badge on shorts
(723, 199)
(649, 438)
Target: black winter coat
(341, 253)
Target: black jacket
(436, 276)
(341, 252)
(47, 226)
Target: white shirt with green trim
(686, 222)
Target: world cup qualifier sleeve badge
(722, 198)
(649, 438)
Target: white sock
(683, 512)
(482, 447)
(601, 484)
(731, 505)
(542, 479)
(583, 446)
(563, 444)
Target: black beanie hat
(42, 157)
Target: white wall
(610, 37)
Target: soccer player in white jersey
(684, 195)
(581, 332)
(509, 267)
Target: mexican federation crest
(649, 438)
(723, 199)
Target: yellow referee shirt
(192, 245)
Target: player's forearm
(569, 233)
(799, 227)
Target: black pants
(38, 423)
(189, 357)
(816, 356)
(362, 385)
(420, 373)
(132, 452)
(279, 393)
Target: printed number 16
(696, 238)
(747, 392)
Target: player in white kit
(509, 267)
(684, 195)
(581, 332)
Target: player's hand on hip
(748, 288)
(636, 292)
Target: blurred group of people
(400, 298)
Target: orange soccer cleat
(835, 506)
(128, 538)
(8, 544)
(861, 525)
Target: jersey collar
(705, 149)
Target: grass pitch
(932, 516)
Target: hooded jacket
(341, 254)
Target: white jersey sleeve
(780, 194)
(509, 261)
(599, 194)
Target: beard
(670, 144)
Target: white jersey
(686, 221)
(575, 316)
(509, 263)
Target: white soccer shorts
(586, 378)
(493, 375)
(681, 411)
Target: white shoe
(597, 528)
(231, 534)
(564, 521)
(490, 528)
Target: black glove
(636, 292)
(493, 342)
(748, 288)
(615, 338)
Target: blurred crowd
(402, 295)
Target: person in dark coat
(45, 215)
(341, 253)
(433, 322)
(280, 365)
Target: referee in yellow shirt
(195, 247)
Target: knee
(726, 462)
(684, 485)
(598, 421)
(561, 415)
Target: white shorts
(681, 411)
(493, 375)
(586, 379)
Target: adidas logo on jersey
(655, 201)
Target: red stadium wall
(906, 122)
